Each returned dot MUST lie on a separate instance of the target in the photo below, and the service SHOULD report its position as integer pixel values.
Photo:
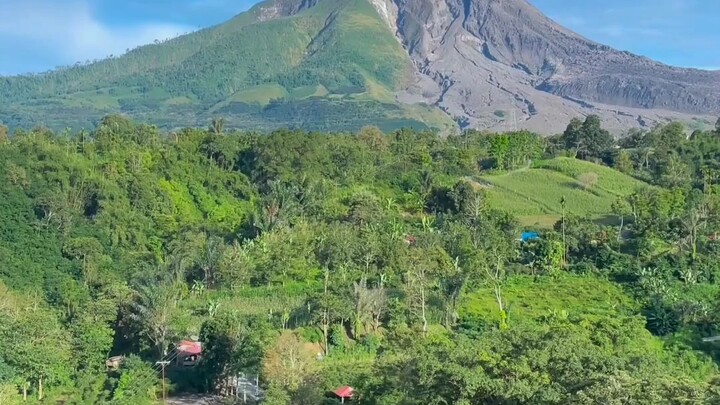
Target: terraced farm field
(534, 194)
(531, 298)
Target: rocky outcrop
(388, 10)
(273, 9)
(493, 59)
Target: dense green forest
(408, 266)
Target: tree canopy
(311, 261)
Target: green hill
(534, 194)
(332, 66)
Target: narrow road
(245, 386)
(195, 400)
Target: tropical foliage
(384, 262)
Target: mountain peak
(342, 64)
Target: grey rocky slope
(503, 64)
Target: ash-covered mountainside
(488, 59)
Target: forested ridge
(333, 66)
(405, 265)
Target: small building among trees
(344, 393)
(188, 353)
(114, 363)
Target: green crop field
(534, 194)
(530, 298)
(609, 180)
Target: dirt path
(195, 400)
(245, 387)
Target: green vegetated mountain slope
(534, 194)
(331, 66)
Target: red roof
(344, 392)
(190, 348)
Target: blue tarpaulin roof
(526, 236)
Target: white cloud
(69, 29)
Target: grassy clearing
(257, 301)
(538, 192)
(534, 194)
(265, 300)
(539, 221)
(305, 92)
(179, 101)
(433, 117)
(609, 180)
(99, 100)
(374, 91)
(530, 298)
(261, 94)
(275, 304)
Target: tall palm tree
(151, 310)
(217, 126)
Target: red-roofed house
(344, 393)
(188, 353)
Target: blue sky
(37, 35)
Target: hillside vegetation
(534, 194)
(318, 260)
(333, 66)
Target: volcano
(341, 64)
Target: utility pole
(326, 315)
(562, 204)
(163, 364)
(257, 386)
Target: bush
(662, 320)
(310, 334)
(338, 338)
(588, 180)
